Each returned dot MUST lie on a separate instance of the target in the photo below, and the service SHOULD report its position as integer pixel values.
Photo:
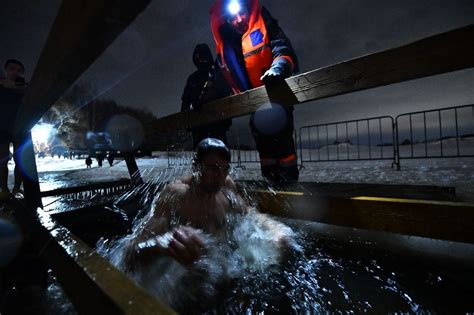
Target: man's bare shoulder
(178, 187)
(230, 184)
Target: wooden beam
(442, 53)
(348, 190)
(82, 30)
(432, 219)
(93, 186)
(91, 283)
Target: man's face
(240, 21)
(214, 171)
(14, 71)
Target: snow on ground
(456, 172)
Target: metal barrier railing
(242, 156)
(438, 133)
(180, 153)
(353, 140)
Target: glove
(281, 68)
(272, 74)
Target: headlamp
(234, 7)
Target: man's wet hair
(14, 61)
(211, 146)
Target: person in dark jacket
(205, 85)
(12, 90)
(252, 50)
(110, 159)
(88, 162)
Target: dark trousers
(278, 160)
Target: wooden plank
(442, 53)
(432, 219)
(92, 283)
(347, 190)
(82, 30)
(93, 186)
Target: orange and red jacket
(259, 49)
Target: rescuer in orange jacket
(253, 50)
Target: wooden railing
(437, 54)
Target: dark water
(328, 276)
(342, 278)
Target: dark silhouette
(88, 162)
(205, 85)
(12, 90)
(110, 159)
(100, 158)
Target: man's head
(212, 162)
(14, 69)
(237, 15)
(202, 56)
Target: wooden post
(133, 170)
(29, 173)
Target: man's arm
(183, 243)
(156, 225)
(285, 62)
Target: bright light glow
(42, 134)
(234, 7)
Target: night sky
(148, 64)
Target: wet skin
(201, 205)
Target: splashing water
(243, 272)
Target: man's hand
(186, 246)
(273, 74)
(281, 68)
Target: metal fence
(244, 154)
(353, 140)
(438, 133)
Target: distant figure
(110, 159)
(12, 90)
(205, 85)
(252, 50)
(100, 159)
(88, 162)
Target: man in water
(193, 206)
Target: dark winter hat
(211, 145)
(204, 51)
(13, 61)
